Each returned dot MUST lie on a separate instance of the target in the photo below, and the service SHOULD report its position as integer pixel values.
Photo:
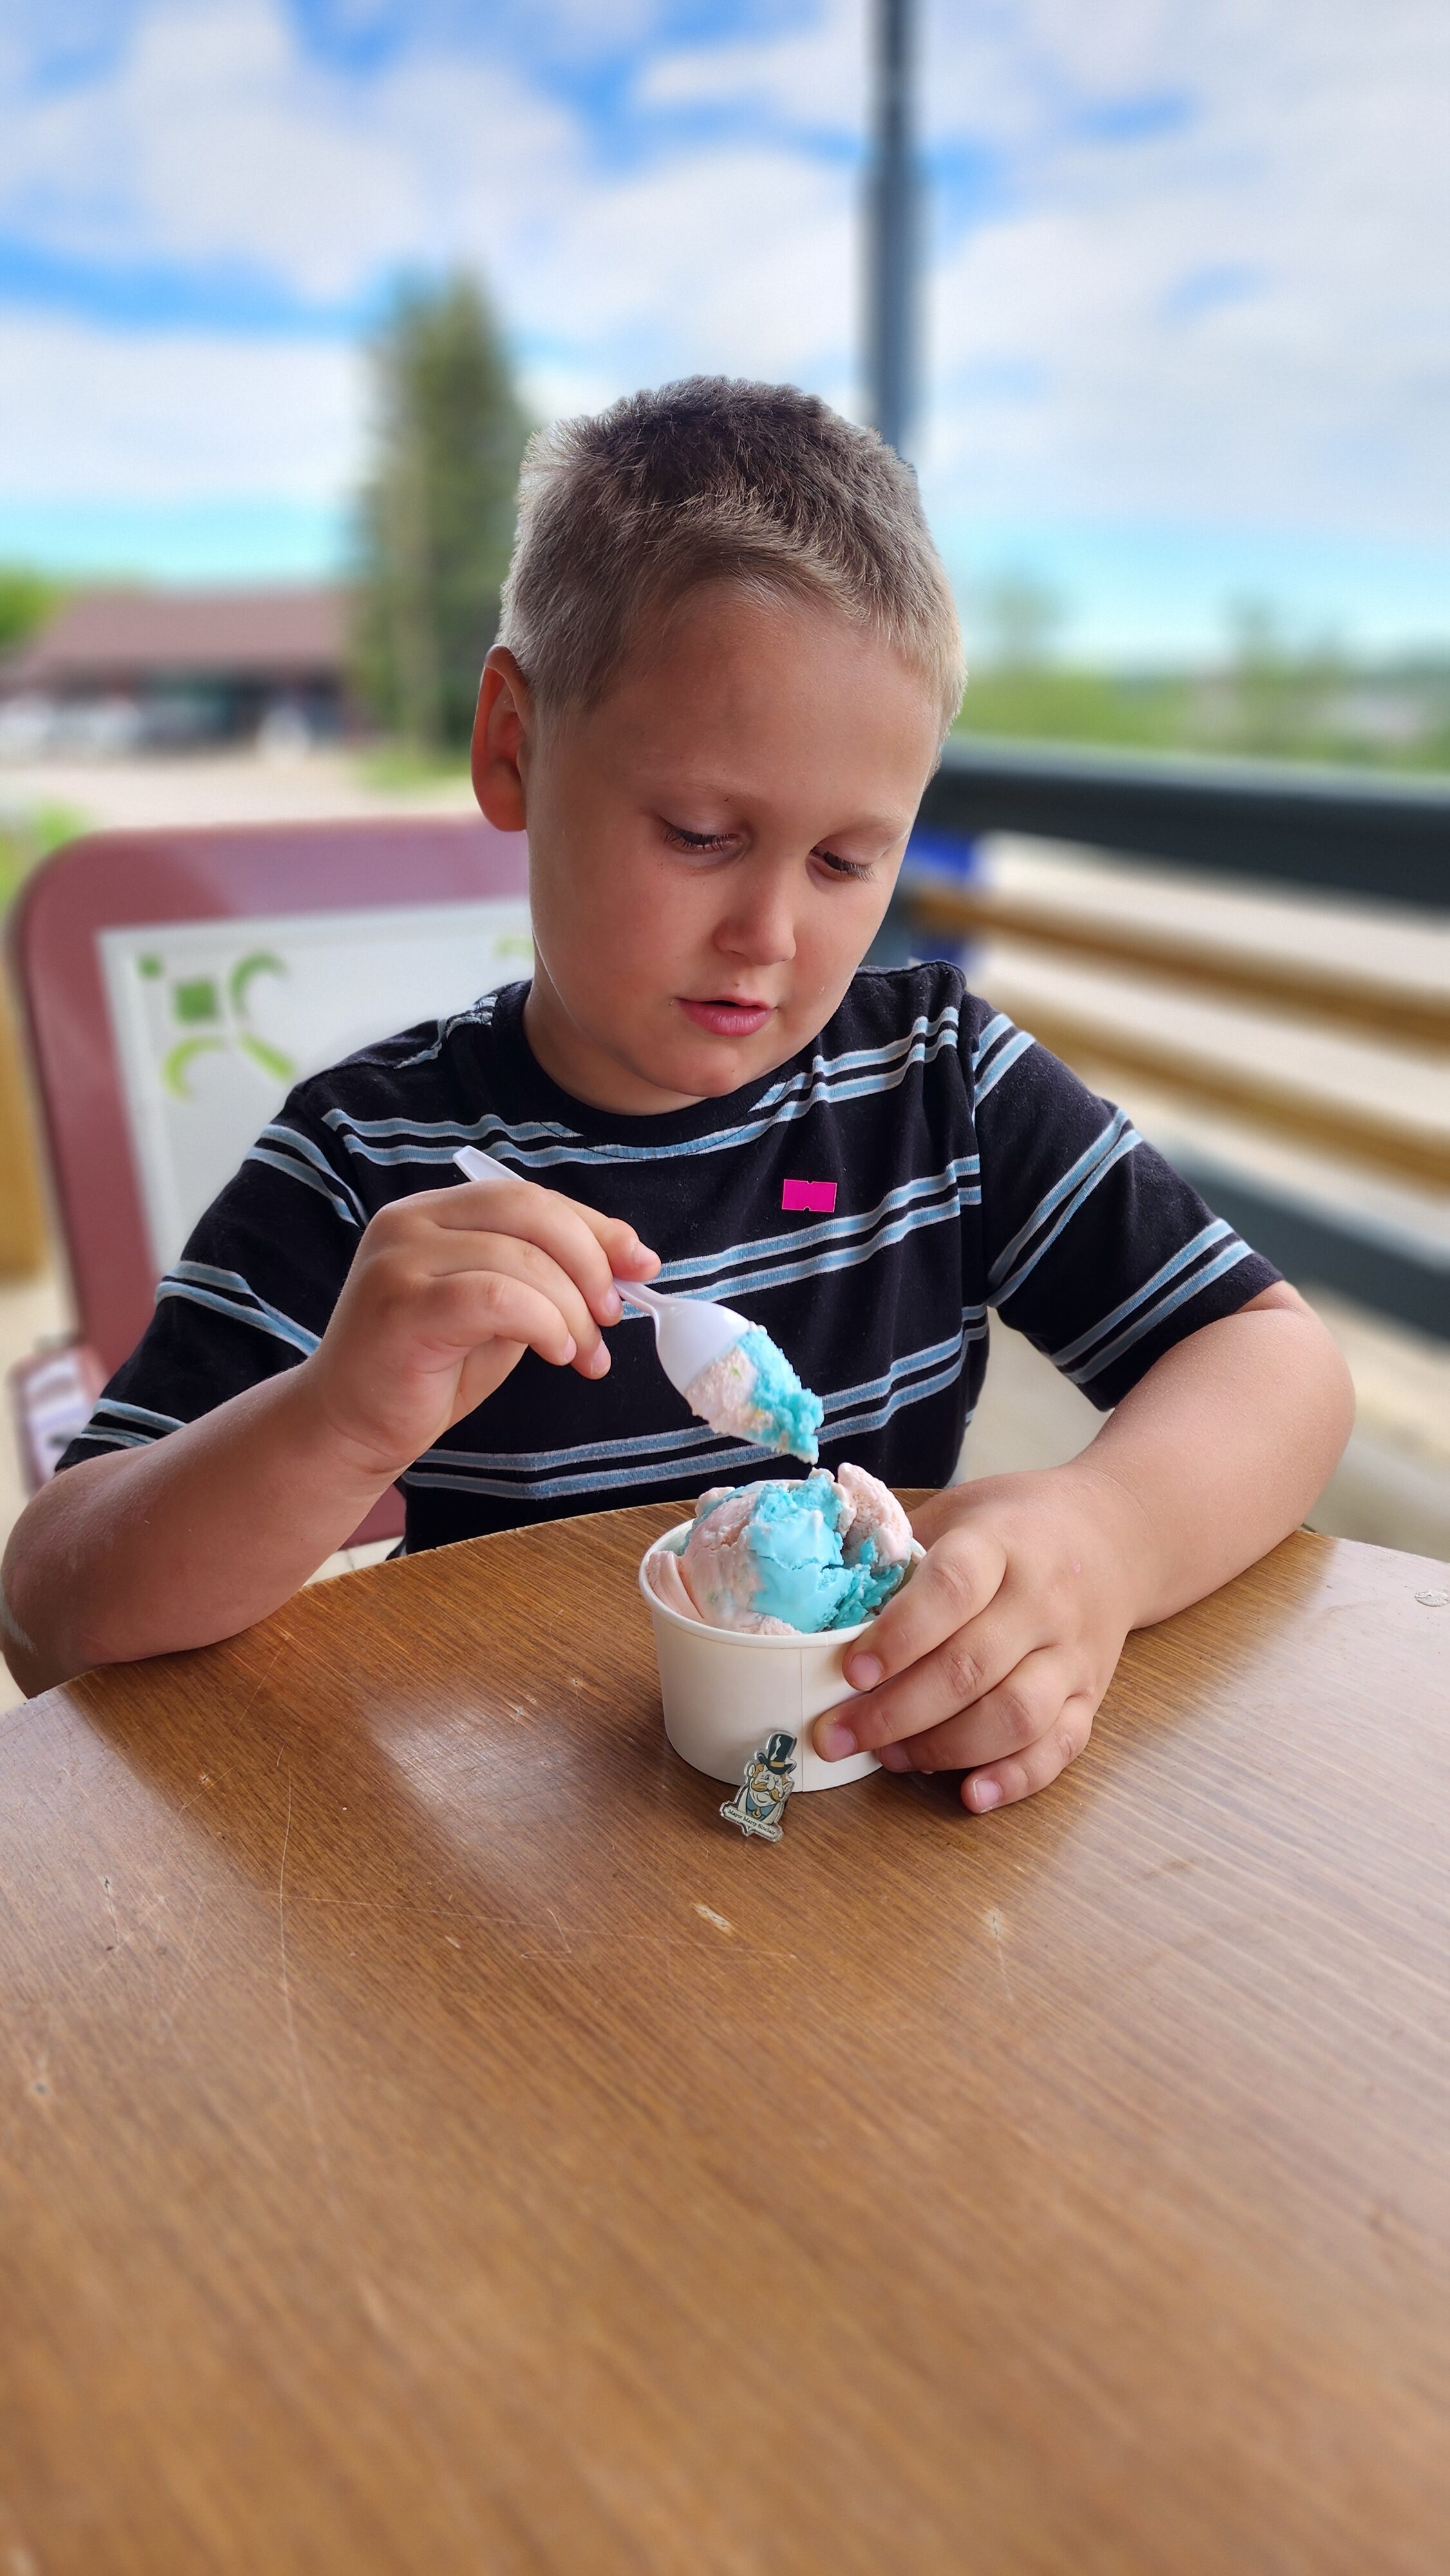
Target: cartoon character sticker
(759, 1802)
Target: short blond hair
(624, 512)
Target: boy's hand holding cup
(994, 1659)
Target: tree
(437, 514)
(1281, 695)
(26, 600)
(1019, 617)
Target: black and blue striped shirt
(971, 1171)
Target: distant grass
(25, 839)
(396, 766)
(1314, 711)
(1063, 705)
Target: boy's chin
(711, 1067)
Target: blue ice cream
(820, 1553)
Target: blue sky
(1185, 300)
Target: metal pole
(891, 288)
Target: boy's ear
(500, 738)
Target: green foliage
(396, 768)
(25, 839)
(436, 518)
(1268, 700)
(1062, 704)
(26, 600)
(1018, 617)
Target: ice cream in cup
(756, 1603)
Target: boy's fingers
(938, 1686)
(940, 1513)
(589, 1246)
(1001, 1784)
(954, 1583)
(465, 1309)
(622, 1247)
(1003, 1721)
(512, 1256)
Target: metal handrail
(1341, 832)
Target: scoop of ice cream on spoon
(728, 1370)
(752, 1393)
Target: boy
(727, 662)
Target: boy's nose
(761, 931)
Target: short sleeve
(1097, 1249)
(251, 1294)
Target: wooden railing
(1374, 1004)
(1279, 830)
(1376, 1138)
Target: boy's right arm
(144, 1551)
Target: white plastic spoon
(690, 1332)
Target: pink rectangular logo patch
(818, 1196)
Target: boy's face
(712, 847)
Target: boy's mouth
(728, 1019)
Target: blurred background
(1155, 296)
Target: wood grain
(23, 1244)
(1376, 1138)
(432, 2140)
(1303, 987)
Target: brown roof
(111, 636)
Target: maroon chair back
(127, 881)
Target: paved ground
(1394, 1487)
(127, 795)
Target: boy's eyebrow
(661, 790)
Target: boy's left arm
(994, 1658)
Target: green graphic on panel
(217, 1020)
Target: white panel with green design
(214, 1021)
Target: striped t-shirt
(957, 1167)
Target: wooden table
(433, 2141)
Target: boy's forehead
(747, 725)
(721, 654)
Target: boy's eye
(706, 841)
(709, 844)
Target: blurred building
(119, 670)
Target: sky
(1185, 275)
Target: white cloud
(739, 261)
(812, 73)
(214, 140)
(174, 416)
(1239, 314)
(1245, 317)
(214, 143)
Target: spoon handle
(648, 1300)
(476, 1166)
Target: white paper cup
(724, 1693)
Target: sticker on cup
(759, 1803)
